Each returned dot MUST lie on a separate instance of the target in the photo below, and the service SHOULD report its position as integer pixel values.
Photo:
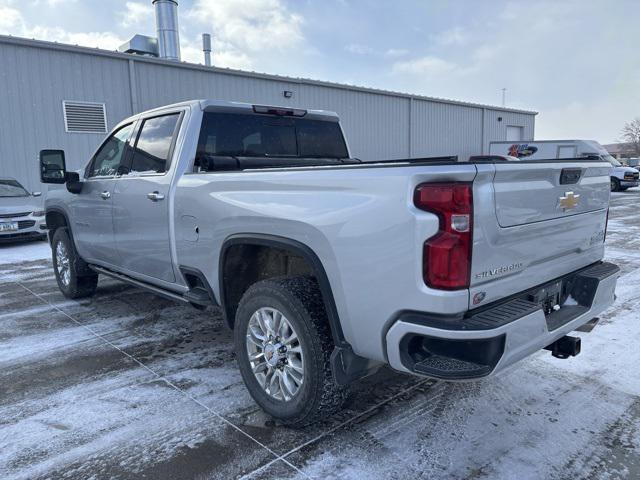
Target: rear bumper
(483, 343)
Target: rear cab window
(231, 141)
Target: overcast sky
(577, 62)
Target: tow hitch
(565, 347)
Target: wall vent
(85, 117)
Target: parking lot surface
(128, 385)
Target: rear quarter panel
(359, 221)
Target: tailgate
(535, 221)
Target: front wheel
(615, 184)
(74, 277)
(283, 345)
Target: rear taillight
(447, 255)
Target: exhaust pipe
(565, 347)
(206, 48)
(167, 25)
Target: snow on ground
(24, 252)
(128, 385)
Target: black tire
(81, 281)
(615, 184)
(624, 189)
(300, 301)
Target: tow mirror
(52, 166)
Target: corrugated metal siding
(496, 122)
(34, 84)
(441, 130)
(376, 126)
(37, 78)
(160, 85)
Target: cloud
(51, 3)
(9, 17)
(358, 49)
(104, 40)
(137, 13)
(396, 52)
(424, 66)
(250, 25)
(454, 36)
(223, 56)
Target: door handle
(155, 196)
(105, 195)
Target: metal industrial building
(48, 88)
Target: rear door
(92, 208)
(536, 221)
(141, 199)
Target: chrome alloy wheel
(275, 353)
(64, 267)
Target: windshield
(11, 188)
(611, 160)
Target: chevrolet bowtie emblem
(569, 201)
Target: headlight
(39, 213)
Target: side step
(137, 283)
(198, 296)
(451, 368)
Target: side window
(151, 153)
(107, 160)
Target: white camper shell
(621, 177)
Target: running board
(137, 283)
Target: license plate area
(8, 226)
(550, 296)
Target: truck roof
(220, 105)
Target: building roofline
(12, 40)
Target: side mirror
(74, 185)
(36, 194)
(52, 166)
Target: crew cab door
(92, 225)
(141, 200)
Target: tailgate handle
(569, 176)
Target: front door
(92, 226)
(141, 201)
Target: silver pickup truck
(327, 267)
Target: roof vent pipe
(167, 26)
(206, 48)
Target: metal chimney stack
(206, 48)
(167, 26)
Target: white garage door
(514, 134)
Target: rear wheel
(615, 184)
(283, 346)
(75, 279)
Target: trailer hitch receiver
(565, 347)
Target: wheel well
(245, 261)
(246, 264)
(54, 221)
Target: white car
(21, 216)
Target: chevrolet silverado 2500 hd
(326, 267)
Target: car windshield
(11, 188)
(611, 160)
